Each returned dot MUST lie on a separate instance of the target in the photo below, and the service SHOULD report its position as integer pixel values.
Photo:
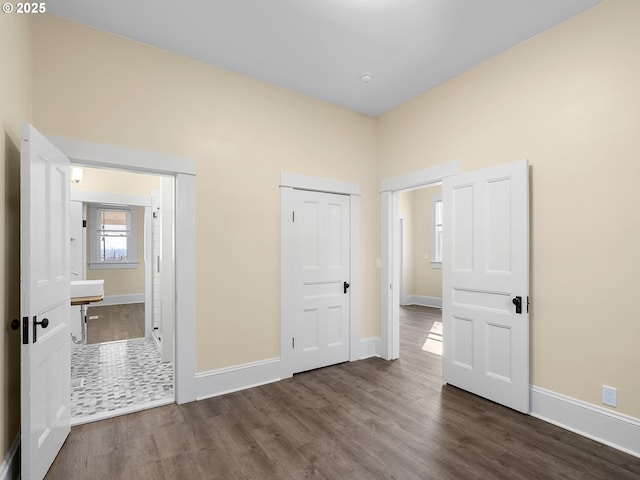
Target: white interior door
(321, 278)
(44, 285)
(485, 272)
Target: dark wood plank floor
(115, 322)
(369, 419)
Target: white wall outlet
(377, 263)
(609, 396)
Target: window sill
(112, 265)
(436, 265)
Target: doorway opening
(420, 299)
(122, 355)
(391, 258)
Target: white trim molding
(318, 184)
(124, 299)
(369, 347)
(390, 189)
(419, 178)
(619, 431)
(183, 170)
(102, 155)
(424, 301)
(239, 377)
(288, 183)
(10, 466)
(87, 196)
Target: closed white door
(486, 283)
(44, 285)
(321, 280)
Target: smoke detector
(366, 77)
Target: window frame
(436, 256)
(94, 238)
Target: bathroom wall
(118, 281)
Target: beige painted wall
(427, 280)
(415, 208)
(15, 109)
(115, 181)
(567, 100)
(241, 134)
(119, 281)
(406, 213)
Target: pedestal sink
(87, 289)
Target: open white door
(321, 255)
(44, 291)
(486, 283)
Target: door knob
(15, 324)
(44, 323)
(346, 285)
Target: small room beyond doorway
(122, 355)
(421, 267)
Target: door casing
(390, 249)
(288, 183)
(183, 170)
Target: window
(436, 237)
(114, 237)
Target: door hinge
(527, 303)
(84, 224)
(293, 216)
(293, 342)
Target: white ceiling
(322, 47)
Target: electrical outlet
(609, 396)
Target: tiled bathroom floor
(115, 375)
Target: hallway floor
(106, 377)
(365, 420)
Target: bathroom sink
(87, 288)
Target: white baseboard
(120, 299)
(369, 347)
(10, 466)
(239, 377)
(424, 301)
(619, 431)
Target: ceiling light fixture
(366, 77)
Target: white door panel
(44, 284)
(486, 266)
(321, 266)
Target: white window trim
(132, 246)
(437, 264)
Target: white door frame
(183, 170)
(288, 183)
(390, 189)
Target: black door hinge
(84, 224)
